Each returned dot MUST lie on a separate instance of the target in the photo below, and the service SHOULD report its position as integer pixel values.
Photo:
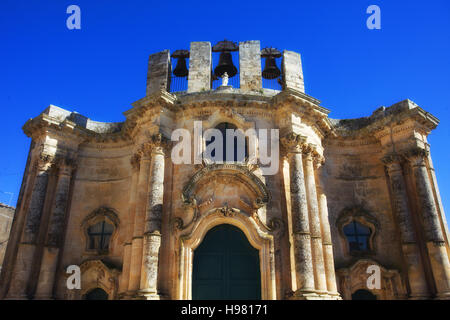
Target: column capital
(44, 162)
(309, 150)
(66, 165)
(416, 155)
(393, 161)
(157, 144)
(319, 161)
(293, 142)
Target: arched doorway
(363, 295)
(96, 294)
(226, 266)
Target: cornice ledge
(382, 119)
(236, 97)
(161, 97)
(288, 94)
(45, 121)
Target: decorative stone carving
(293, 142)
(355, 277)
(96, 274)
(233, 170)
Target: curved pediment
(236, 172)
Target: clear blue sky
(99, 70)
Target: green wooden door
(226, 266)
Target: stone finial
(292, 71)
(200, 64)
(250, 65)
(159, 72)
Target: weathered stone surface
(250, 66)
(200, 66)
(159, 72)
(6, 219)
(292, 71)
(330, 175)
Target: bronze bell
(225, 65)
(181, 69)
(225, 48)
(271, 70)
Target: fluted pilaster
(327, 244)
(431, 223)
(27, 247)
(314, 219)
(55, 229)
(141, 164)
(403, 216)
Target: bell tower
(199, 73)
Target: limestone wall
(6, 218)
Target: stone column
(55, 230)
(327, 243)
(27, 247)
(403, 216)
(304, 271)
(314, 220)
(152, 231)
(432, 226)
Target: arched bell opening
(179, 76)
(271, 72)
(225, 54)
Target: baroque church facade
(350, 198)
